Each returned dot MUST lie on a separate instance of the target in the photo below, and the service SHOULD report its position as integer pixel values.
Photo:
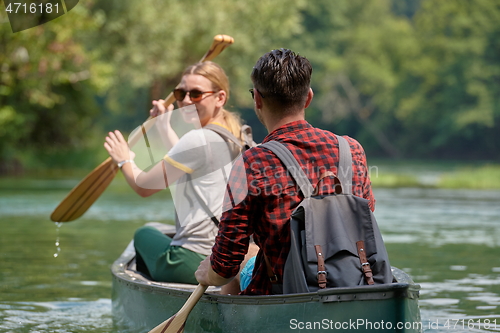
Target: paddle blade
(175, 324)
(83, 195)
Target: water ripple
(59, 317)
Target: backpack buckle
(321, 272)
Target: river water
(57, 279)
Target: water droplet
(57, 243)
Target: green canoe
(140, 304)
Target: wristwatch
(122, 163)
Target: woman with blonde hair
(200, 185)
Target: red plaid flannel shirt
(261, 197)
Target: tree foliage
(408, 83)
(47, 85)
(456, 101)
(414, 78)
(358, 50)
(151, 42)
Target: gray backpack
(335, 239)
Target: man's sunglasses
(252, 91)
(195, 95)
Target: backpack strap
(291, 164)
(202, 202)
(246, 133)
(226, 135)
(365, 265)
(345, 165)
(270, 274)
(321, 275)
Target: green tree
(152, 41)
(47, 83)
(105, 60)
(407, 78)
(450, 98)
(407, 81)
(358, 50)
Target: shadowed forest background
(410, 79)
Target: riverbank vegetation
(485, 177)
(384, 173)
(479, 176)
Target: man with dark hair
(261, 209)
(285, 77)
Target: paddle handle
(219, 43)
(193, 299)
(175, 324)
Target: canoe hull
(150, 309)
(139, 305)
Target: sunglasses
(252, 91)
(195, 95)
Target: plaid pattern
(263, 207)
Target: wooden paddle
(83, 195)
(175, 324)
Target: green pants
(162, 262)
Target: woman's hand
(167, 133)
(159, 108)
(117, 147)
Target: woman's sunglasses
(195, 95)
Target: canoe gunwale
(403, 288)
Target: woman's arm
(143, 183)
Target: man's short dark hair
(283, 78)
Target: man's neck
(273, 124)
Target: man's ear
(258, 100)
(310, 96)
